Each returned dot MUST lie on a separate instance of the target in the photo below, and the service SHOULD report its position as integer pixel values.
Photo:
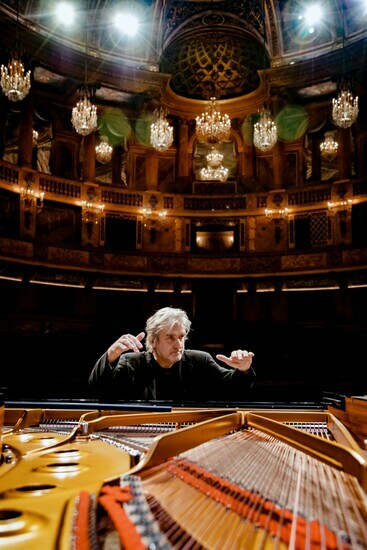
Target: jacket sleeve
(227, 383)
(101, 377)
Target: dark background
(305, 343)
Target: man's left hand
(239, 359)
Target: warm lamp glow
(212, 127)
(265, 132)
(84, 115)
(161, 133)
(14, 83)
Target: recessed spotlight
(126, 23)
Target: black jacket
(196, 377)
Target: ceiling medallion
(265, 132)
(329, 147)
(84, 114)
(103, 150)
(212, 127)
(161, 133)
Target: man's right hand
(126, 342)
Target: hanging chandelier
(214, 158)
(265, 132)
(212, 127)
(210, 173)
(84, 114)
(215, 170)
(14, 83)
(161, 133)
(103, 150)
(345, 108)
(329, 147)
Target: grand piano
(78, 474)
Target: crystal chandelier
(345, 108)
(161, 133)
(212, 127)
(84, 114)
(215, 170)
(265, 132)
(329, 147)
(103, 150)
(14, 83)
(210, 173)
(214, 158)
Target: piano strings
(248, 490)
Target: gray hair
(166, 317)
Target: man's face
(169, 345)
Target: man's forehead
(174, 328)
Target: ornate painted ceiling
(190, 49)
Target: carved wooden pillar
(89, 157)
(345, 153)
(183, 149)
(26, 131)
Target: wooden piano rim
(346, 456)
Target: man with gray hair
(166, 370)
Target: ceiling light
(209, 173)
(265, 131)
(14, 82)
(65, 13)
(84, 114)
(104, 150)
(126, 23)
(214, 158)
(161, 133)
(329, 147)
(212, 127)
(345, 108)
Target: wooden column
(25, 147)
(345, 153)
(183, 150)
(89, 157)
(152, 170)
(278, 165)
